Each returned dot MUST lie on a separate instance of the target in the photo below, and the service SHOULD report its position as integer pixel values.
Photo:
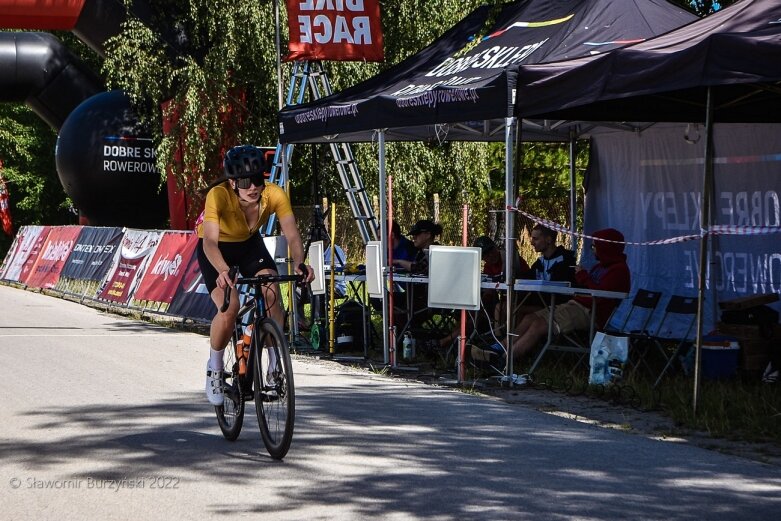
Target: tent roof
(737, 50)
(455, 89)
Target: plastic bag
(608, 358)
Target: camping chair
(635, 326)
(675, 327)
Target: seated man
(403, 249)
(555, 262)
(611, 273)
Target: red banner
(5, 209)
(47, 268)
(136, 249)
(167, 268)
(35, 250)
(343, 30)
(49, 15)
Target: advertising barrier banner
(136, 249)
(11, 253)
(56, 249)
(93, 253)
(20, 251)
(192, 298)
(40, 235)
(165, 271)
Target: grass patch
(745, 410)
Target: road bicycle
(263, 374)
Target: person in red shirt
(610, 273)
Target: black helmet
(244, 161)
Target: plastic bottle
(598, 368)
(240, 356)
(408, 347)
(314, 336)
(247, 336)
(615, 369)
(242, 349)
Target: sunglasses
(246, 182)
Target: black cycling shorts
(250, 256)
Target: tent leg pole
(384, 248)
(509, 231)
(705, 222)
(572, 197)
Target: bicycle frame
(256, 304)
(269, 376)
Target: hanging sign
(343, 30)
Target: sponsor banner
(20, 250)
(136, 249)
(11, 253)
(35, 245)
(192, 298)
(55, 251)
(93, 253)
(649, 186)
(165, 271)
(335, 30)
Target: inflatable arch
(105, 160)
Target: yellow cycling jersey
(222, 207)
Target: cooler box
(720, 355)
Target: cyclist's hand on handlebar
(226, 283)
(226, 279)
(307, 271)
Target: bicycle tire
(230, 415)
(275, 401)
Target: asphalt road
(105, 418)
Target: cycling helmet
(244, 161)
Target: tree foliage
(27, 152)
(220, 66)
(226, 71)
(216, 61)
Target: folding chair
(643, 305)
(675, 327)
(635, 326)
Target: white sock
(215, 360)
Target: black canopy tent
(725, 68)
(462, 90)
(666, 78)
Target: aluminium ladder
(311, 75)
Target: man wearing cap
(423, 234)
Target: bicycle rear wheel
(275, 400)
(230, 415)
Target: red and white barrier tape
(720, 229)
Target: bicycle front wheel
(275, 397)
(230, 415)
